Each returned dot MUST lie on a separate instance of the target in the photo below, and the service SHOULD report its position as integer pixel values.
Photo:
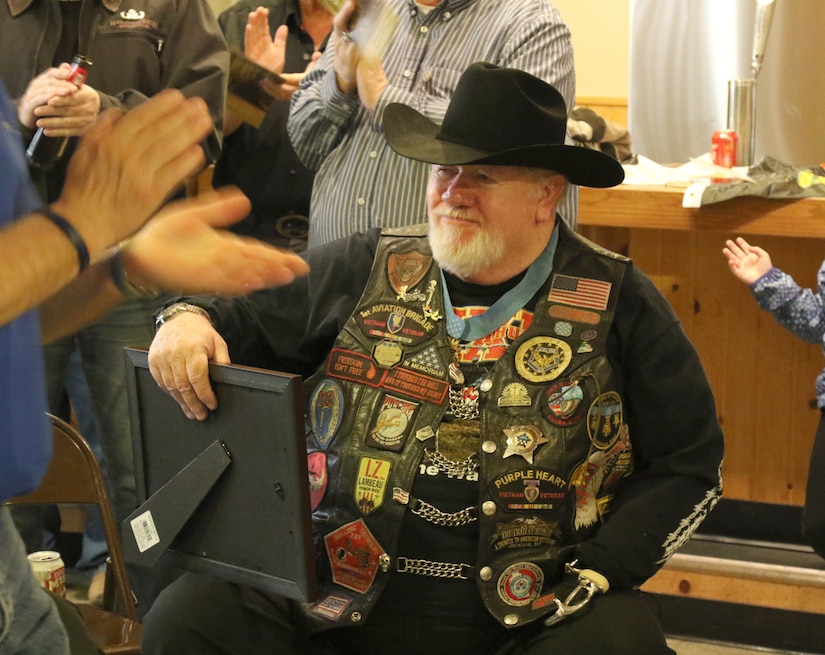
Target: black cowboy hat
(500, 116)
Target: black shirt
(261, 161)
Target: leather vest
(553, 440)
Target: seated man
(510, 430)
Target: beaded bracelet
(69, 230)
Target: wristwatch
(168, 313)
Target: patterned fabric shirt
(361, 182)
(802, 311)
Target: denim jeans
(103, 362)
(94, 549)
(38, 526)
(29, 621)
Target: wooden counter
(762, 376)
(660, 207)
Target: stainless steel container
(742, 118)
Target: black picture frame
(252, 525)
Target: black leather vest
(553, 439)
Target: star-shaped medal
(523, 440)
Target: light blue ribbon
(475, 327)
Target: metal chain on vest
(431, 513)
(434, 515)
(450, 467)
(433, 569)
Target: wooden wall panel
(613, 109)
(762, 376)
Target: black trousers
(813, 516)
(198, 615)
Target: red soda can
(723, 148)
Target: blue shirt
(25, 439)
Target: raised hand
(746, 262)
(260, 46)
(347, 53)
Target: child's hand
(745, 261)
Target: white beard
(464, 259)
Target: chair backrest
(74, 476)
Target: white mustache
(457, 215)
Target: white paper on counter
(694, 175)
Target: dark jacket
(666, 401)
(138, 48)
(261, 161)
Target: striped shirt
(361, 182)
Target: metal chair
(74, 476)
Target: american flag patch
(580, 291)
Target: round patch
(605, 420)
(542, 359)
(562, 403)
(520, 584)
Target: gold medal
(542, 359)
(387, 353)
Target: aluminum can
(723, 148)
(49, 570)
